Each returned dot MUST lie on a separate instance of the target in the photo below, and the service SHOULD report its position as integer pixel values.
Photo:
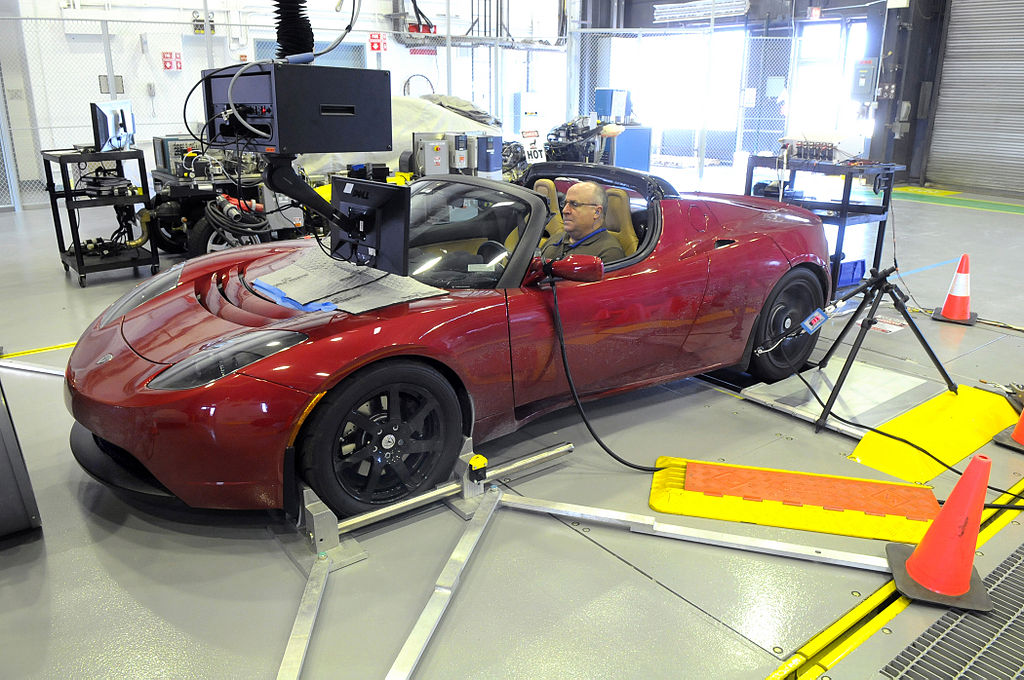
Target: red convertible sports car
(206, 383)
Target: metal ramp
(870, 395)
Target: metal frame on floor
(478, 501)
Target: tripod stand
(873, 289)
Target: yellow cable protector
(950, 426)
(670, 495)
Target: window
(685, 81)
(461, 235)
(353, 56)
(820, 107)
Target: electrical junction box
(485, 154)
(171, 148)
(432, 157)
(458, 150)
(302, 108)
(612, 104)
(864, 75)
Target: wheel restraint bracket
(319, 544)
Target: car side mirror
(582, 268)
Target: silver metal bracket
(465, 504)
(448, 582)
(316, 535)
(320, 544)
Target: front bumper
(221, 445)
(116, 468)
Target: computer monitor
(113, 125)
(374, 227)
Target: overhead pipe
(400, 19)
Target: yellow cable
(37, 351)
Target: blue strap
(279, 296)
(584, 239)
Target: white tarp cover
(408, 115)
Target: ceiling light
(699, 9)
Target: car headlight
(161, 283)
(224, 358)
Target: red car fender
(471, 349)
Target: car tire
(203, 239)
(794, 297)
(167, 240)
(360, 453)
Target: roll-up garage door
(978, 136)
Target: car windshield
(462, 235)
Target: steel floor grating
(974, 645)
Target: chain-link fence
(708, 97)
(711, 98)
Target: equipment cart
(74, 257)
(843, 212)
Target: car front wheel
(387, 433)
(792, 300)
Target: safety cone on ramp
(941, 568)
(957, 308)
(1013, 436)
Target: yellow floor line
(37, 351)
(830, 646)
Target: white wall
(52, 61)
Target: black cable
(421, 18)
(184, 107)
(892, 228)
(248, 224)
(575, 394)
(912, 445)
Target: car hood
(214, 300)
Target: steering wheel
(492, 251)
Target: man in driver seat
(585, 233)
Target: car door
(627, 329)
(745, 262)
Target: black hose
(576, 396)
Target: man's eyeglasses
(575, 205)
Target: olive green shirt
(603, 244)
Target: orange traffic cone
(941, 568)
(957, 307)
(1013, 436)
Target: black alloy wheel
(386, 433)
(792, 300)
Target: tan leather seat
(619, 222)
(546, 188)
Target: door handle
(723, 242)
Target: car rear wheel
(389, 432)
(791, 301)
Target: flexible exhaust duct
(294, 32)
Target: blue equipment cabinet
(633, 149)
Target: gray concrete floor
(114, 589)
